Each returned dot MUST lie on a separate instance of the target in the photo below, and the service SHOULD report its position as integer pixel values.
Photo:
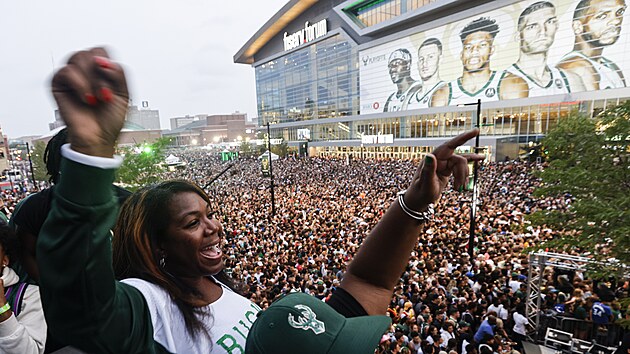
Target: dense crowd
(324, 209)
(444, 302)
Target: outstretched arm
(83, 304)
(382, 257)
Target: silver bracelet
(424, 216)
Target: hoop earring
(162, 262)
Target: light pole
(473, 207)
(30, 162)
(273, 199)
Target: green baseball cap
(302, 323)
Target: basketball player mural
(429, 56)
(536, 30)
(477, 80)
(596, 25)
(399, 68)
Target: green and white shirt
(229, 321)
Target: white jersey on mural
(422, 98)
(489, 92)
(397, 103)
(609, 76)
(557, 84)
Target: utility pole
(273, 199)
(473, 206)
(30, 163)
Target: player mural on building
(477, 80)
(596, 25)
(429, 55)
(528, 48)
(536, 30)
(399, 68)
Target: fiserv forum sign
(525, 49)
(307, 34)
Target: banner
(264, 163)
(526, 49)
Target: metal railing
(609, 335)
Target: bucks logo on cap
(300, 323)
(307, 321)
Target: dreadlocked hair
(52, 154)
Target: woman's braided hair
(52, 154)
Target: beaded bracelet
(5, 308)
(424, 216)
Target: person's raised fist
(92, 96)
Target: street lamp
(473, 207)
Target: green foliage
(280, 149)
(589, 159)
(246, 149)
(37, 158)
(143, 164)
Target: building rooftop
(190, 126)
(279, 21)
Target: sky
(177, 55)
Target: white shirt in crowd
(502, 313)
(520, 322)
(446, 336)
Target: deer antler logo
(307, 321)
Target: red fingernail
(103, 62)
(90, 99)
(107, 95)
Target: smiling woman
(166, 235)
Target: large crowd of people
(181, 264)
(444, 301)
(324, 209)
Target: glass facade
(370, 13)
(524, 120)
(317, 81)
(324, 80)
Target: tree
(280, 149)
(37, 158)
(589, 162)
(143, 164)
(246, 149)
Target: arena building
(393, 78)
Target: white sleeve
(522, 319)
(94, 161)
(26, 334)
